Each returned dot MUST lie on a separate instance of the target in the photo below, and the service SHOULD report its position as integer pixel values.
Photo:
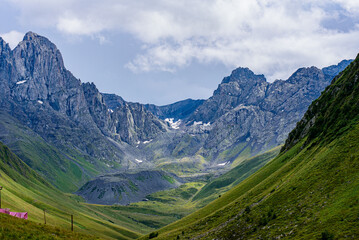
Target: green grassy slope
(25, 190)
(222, 184)
(15, 228)
(309, 191)
(66, 172)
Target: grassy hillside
(24, 190)
(66, 172)
(222, 184)
(15, 228)
(309, 191)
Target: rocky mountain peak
(245, 76)
(39, 44)
(242, 83)
(30, 36)
(38, 59)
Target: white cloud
(269, 36)
(12, 38)
(349, 5)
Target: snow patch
(21, 82)
(138, 160)
(145, 142)
(207, 124)
(200, 123)
(39, 101)
(223, 164)
(174, 125)
(197, 123)
(110, 110)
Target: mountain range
(84, 132)
(61, 136)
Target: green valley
(259, 158)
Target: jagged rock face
(241, 87)
(41, 76)
(5, 68)
(247, 109)
(131, 121)
(98, 109)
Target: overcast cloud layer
(269, 36)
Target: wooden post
(72, 222)
(45, 216)
(0, 195)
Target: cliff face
(132, 122)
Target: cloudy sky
(162, 51)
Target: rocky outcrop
(125, 188)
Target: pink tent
(22, 215)
(19, 214)
(5, 210)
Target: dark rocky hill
(125, 188)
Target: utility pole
(72, 222)
(45, 216)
